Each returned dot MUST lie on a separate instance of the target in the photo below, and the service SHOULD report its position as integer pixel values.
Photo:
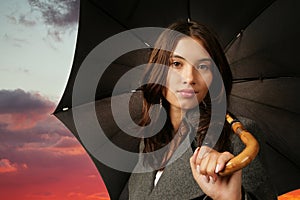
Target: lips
(187, 93)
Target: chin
(189, 106)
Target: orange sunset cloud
(293, 195)
(66, 145)
(6, 166)
(41, 159)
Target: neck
(176, 115)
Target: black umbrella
(260, 39)
(266, 69)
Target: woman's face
(189, 75)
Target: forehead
(191, 49)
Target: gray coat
(177, 181)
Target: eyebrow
(180, 57)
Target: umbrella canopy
(267, 74)
(261, 41)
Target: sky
(39, 158)
(37, 44)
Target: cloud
(75, 195)
(26, 125)
(58, 13)
(64, 146)
(22, 110)
(19, 101)
(92, 176)
(42, 195)
(23, 70)
(98, 196)
(22, 19)
(6, 166)
(12, 19)
(41, 155)
(94, 196)
(56, 35)
(55, 13)
(16, 41)
(25, 21)
(59, 16)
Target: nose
(189, 74)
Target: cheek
(172, 81)
(206, 80)
(167, 92)
(172, 78)
(204, 83)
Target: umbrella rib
(264, 104)
(109, 15)
(119, 22)
(227, 47)
(277, 151)
(134, 8)
(261, 78)
(189, 10)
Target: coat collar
(176, 182)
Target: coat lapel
(177, 181)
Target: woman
(188, 89)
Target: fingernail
(198, 168)
(211, 179)
(196, 150)
(217, 168)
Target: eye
(175, 64)
(203, 67)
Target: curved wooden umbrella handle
(247, 155)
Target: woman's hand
(205, 164)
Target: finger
(203, 163)
(211, 167)
(193, 165)
(199, 177)
(203, 155)
(222, 160)
(212, 179)
(206, 178)
(204, 152)
(207, 160)
(194, 158)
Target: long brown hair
(155, 77)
